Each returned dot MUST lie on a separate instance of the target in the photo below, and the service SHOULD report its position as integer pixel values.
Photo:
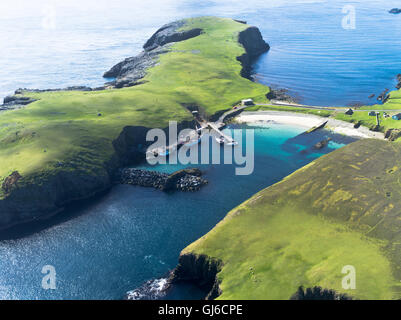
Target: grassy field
(321, 113)
(342, 209)
(362, 117)
(65, 126)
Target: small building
(247, 102)
(349, 112)
(372, 113)
(397, 116)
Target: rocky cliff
(200, 270)
(254, 45)
(131, 70)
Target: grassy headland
(341, 209)
(73, 131)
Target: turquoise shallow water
(113, 244)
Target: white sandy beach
(308, 121)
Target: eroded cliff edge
(200, 270)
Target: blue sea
(107, 246)
(57, 43)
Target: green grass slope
(64, 127)
(342, 209)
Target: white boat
(220, 140)
(164, 152)
(232, 143)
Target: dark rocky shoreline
(182, 180)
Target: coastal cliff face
(57, 153)
(254, 45)
(27, 201)
(200, 270)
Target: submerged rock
(322, 144)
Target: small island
(395, 11)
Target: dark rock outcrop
(130, 146)
(383, 96)
(200, 270)
(131, 70)
(281, 95)
(398, 86)
(31, 201)
(182, 180)
(15, 101)
(392, 134)
(252, 41)
(318, 293)
(322, 144)
(10, 182)
(170, 33)
(395, 11)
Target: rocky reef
(131, 70)
(182, 180)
